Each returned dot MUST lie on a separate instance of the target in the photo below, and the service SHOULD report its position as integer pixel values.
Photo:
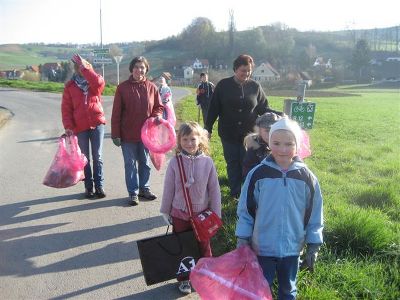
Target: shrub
(361, 231)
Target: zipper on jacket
(284, 178)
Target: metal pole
(118, 59)
(118, 73)
(101, 38)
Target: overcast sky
(78, 21)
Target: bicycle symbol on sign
(298, 108)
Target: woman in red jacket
(83, 115)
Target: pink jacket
(204, 191)
(82, 112)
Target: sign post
(300, 110)
(118, 59)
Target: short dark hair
(243, 60)
(139, 59)
(203, 74)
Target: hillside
(284, 48)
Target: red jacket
(82, 112)
(134, 102)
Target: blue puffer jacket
(280, 211)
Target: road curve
(54, 244)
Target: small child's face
(283, 147)
(190, 143)
(204, 78)
(264, 134)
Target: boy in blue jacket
(280, 210)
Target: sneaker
(100, 192)
(147, 195)
(134, 200)
(184, 287)
(89, 194)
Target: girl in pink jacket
(202, 181)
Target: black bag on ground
(168, 256)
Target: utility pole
(101, 38)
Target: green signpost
(101, 51)
(302, 112)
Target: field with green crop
(356, 156)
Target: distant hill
(283, 47)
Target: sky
(78, 21)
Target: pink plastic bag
(157, 159)
(305, 148)
(158, 138)
(234, 275)
(67, 167)
(169, 109)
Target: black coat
(237, 107)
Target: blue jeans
(234, 155)
(286, 270)
(94, 138)
(137, 167)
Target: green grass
(356, 157)
(47, 86)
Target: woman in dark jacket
(237, 102)
(83, 115)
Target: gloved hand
(157, 120)
(69, 132)
(82, 63)
(117, 141)
(77, 59)
(310, 257)
(167, 218)
(242, 242)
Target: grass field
(356, 157)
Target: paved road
(54, 244)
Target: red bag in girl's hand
(67, 167)
(234, 275)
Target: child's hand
(311, 257)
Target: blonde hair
(189, 128)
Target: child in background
(202, 182)
(280, 210)
(165, 94)
(256, 144)
(204, 93)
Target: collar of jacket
(186, 154)
(132, 81)
(296, 164)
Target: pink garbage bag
(234, 275)
(158, 138)
(169, 109)
(305, 148)
(67, 167)
(157, 159)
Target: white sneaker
(185, 287)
